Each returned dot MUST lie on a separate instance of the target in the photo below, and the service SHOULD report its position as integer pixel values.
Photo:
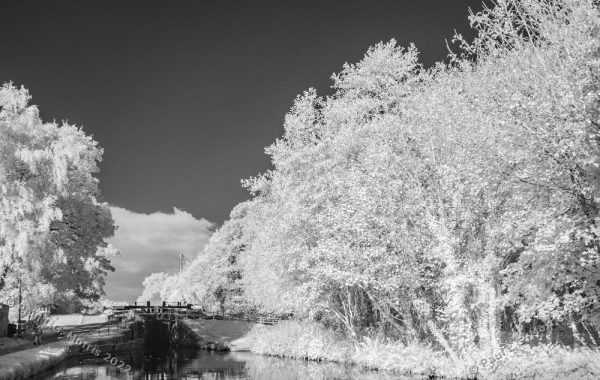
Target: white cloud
(151, 243)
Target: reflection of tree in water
(209, 365)
(270, 368)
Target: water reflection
(208, 365)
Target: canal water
(193, 364)
(158, 360)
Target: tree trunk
(405, 328)
(440, 337)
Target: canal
(195, 364)
(157, 359)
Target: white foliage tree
(53, 229)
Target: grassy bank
(311, 341)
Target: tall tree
(53, 229)
(444, 202)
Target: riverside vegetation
(311, 341)
(431, 212)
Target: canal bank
(101, 343)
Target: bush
(389, 355)
(300, 339)
(312, 341)
(544, 361)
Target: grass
(303, 340)
(312, 341)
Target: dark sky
(184, 95)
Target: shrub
(296, 339)
(312, 341)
